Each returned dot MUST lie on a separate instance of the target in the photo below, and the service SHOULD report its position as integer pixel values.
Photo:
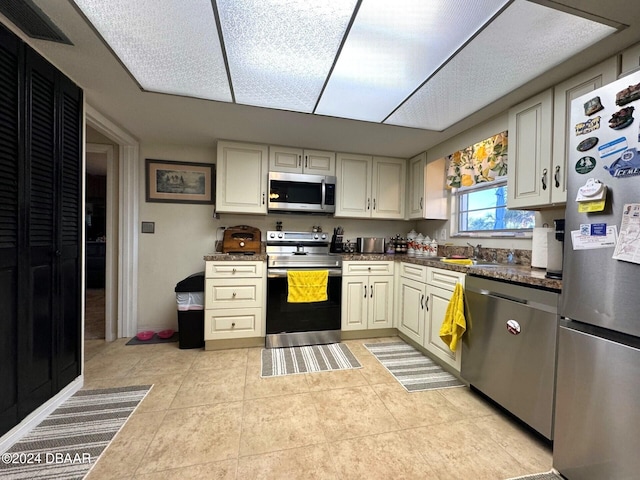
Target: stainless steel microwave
(301, 193)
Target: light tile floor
(211, 416)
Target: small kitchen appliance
(241, 239)
(555, 244)
(370, 245)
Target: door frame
(126, 284)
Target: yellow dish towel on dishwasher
(458, 261)
(307, 286)
(454, 324)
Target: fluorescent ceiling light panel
(526, 40)
(393, 47)
(168, 46)
(280, 52)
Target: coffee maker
(555, 246)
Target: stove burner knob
(280, 235)
(272, 235)
(324, 236)
(316, 236)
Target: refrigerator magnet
(589, 126)
(628, 165)
(611, 148)
(591, 191)
(587, 144)
(585, 165)
(592, 106)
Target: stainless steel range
(296, 324)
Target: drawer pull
(233, 271)
(233, 324)
(234, 295)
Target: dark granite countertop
(510, 272)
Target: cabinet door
(241, 178)
(411, 309)
(630, 60)
(564, 93)
(355, 296)
(380, 308)
(435, 192)
(388, 187)
(436, 308)
(353, 198)
(317, 162)
(530, 132)
(285, 159)
(417, 167)
(230, 323)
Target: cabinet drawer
(415, 272)
(232, 323)
(446, 279)
(234, 269)
(233, 293)
(367, 268)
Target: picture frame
(171, 181)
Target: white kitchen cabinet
(241, 178)
(539, 130)
(235, 294)
(530, 148)
(297, 160)
(370, 187)
(427, 192)
(440, 286)
(630, 60)
(411, 309)
(563, 94)
(367, 295)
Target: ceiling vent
(31, 20)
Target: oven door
(294, 318)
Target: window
(483, 209)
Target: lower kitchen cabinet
(423, 298)
(367, 299)
(234, 302)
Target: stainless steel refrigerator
(597, 413)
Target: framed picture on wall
(179, 182)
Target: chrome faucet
(477, 250)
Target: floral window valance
(481, 162)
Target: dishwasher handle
(502, 296)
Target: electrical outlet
(443, 234)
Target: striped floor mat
(552, 475)
(68, 443)
(412, 369)
(315, 358)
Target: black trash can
(190, 300)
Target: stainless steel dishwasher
(509, 349)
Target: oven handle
(282, 272)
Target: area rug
(414, 371)
(68, 443)
(154, 339)
(551, 475)
(315, 358)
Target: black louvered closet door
(9, 154)
(40, 230)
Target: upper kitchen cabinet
(530, 144)
(538, 132)
(630, 60)
(564, 93)
(241, 178)
(370, 187)
(297, 160)
(427, 195)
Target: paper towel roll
(539, 247)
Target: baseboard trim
(373, 333)
(38, 415)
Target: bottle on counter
(434, 248)
(419, 245)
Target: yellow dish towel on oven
(307, 286)
(454, 324)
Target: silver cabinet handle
(233, 270)
(426, 303)
(233, 294)
(420, 203)
(365, 291)
(374, 203)
(371, 289)
(263, 198)
(544, 179)
(556, 176)
(306, 161)
(368, 203)
(299, 160)
(422, 302)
